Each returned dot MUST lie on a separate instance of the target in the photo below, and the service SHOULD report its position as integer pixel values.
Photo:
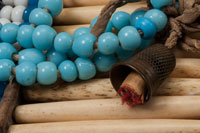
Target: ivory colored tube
(187, 68)
(79, 3)
(165, 107)
(102, 88)
(92, 89)
(112, 126)
(84, 15)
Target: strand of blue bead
(32, 61)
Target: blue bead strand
(129, 38)
(47, 73)
(43, 37)
(120, 19)
(83, 45)
(158, 17)
(86, 69)
(26, 73)
(108, 43)
(68, 71)
(147, 27)
(40, 17)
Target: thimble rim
(116, 82)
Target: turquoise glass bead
(129, 38)
(108, 28)
(9, 33)
(120, 19)
(26, 73)
(68, 71)
(104, 62)
(54, 6)
(43, 37)
(80, 31)
(31, 55)
(47, 73)
(56, 57)
(33, 2)
(63, 42)
(158, 17)
(6, 50)
(108, 43)
(161, 3)
(146, 43)
(27, 12)
(136, 15)
(0, 26)
(83, 45)
(40, 17)
(5, 69)
(24, 36)
(147, 27)
(123, 55)
(86, 69)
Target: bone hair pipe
(84, 15)
(112, 126)
(186, 68)
(163, 107)
(80, 3)
(102, 88)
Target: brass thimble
(153, 64)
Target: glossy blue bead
(6, 50)
(54, 6)
(80, 31)
(9, 33)
(31, 55)
(136, 15)
(83, 45)
(161, 3)
(120, 19)
(56, 57)
(86, 69)
(63, 42)
(24, 36)
(123, 55)
(158, 17)
(147, 27)
(27, 12)
(68, 71)
(108, 43)
(5, 69)
(25, 23)
(40, 17)
(108, 28)
(104, 62)
(43, 37)
(26, 73)
(33, 2)
(146, 43)
(47, 73)
(129, 38)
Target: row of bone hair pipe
(94, 107)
